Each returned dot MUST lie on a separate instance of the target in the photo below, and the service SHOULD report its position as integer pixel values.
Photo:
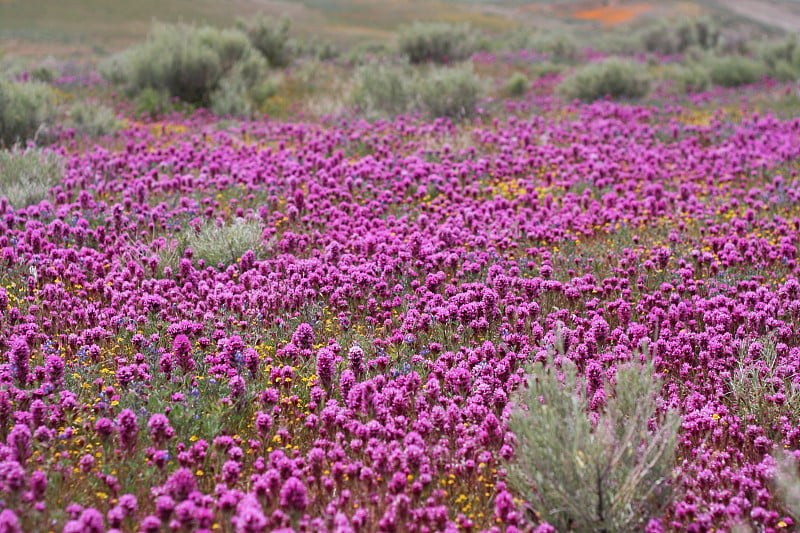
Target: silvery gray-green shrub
(188, 62)
(25, 110)
(452, 92)
(93, 119)
(269, 37)
(734, 71)
(26, 175)
(436, 42)
(615, 77)
(611, 475)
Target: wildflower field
(539, 314)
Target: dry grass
(66, 26)
(49, 25)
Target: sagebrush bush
(733, 71)
(44, 73)
(215, 244)
(263, 91)
(668, 37)
(224, 244)
(781, 58)
(12, 67)
(238, 93)
(365, 53)
(787, 483)
(556, 45)
(187, 62)
(116, 68)
(157, 256)
(152, 103)
(687, 78)
(618, 42)
(26, 175)
(758, 378)
(436, 42)
(93, 119)
(231, 98)
(269, 37)
(25, 110)
(517, 85)
(611, 475)
(382, 89)
(321, 50)
(452, 92)
(545, 68)
(614, 77)
(250, 71)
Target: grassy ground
(84, 27)
(112, 24)
(70, 26)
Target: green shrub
(734, 71)
(231, 98)
(784, 71)
(239, 93)
(44, 73)
(115, 68)
(27, 175)
(152, 102)
(436, 42)
(608, 476)
(187, 62)
(517, 85)
(669, 37)
(781, 58)
(618, 42)
(309, 74)
(327, 51)
(225, 244)
(382, 90)
(251, 70)
(168, 250)
(614, 77)
(704, 33)
(12, 67)
(93, 119)
(269, 37)
(320, 50)
(689, 77)
(364, 53)
(787, 484)
(756, 379)
(452, 92)
(485, 43)
(263, 91)
(215, 244)
(558, 45)
(545, 68)
(25, 110)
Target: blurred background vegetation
(68, 27)
(84, 67)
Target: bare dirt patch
(781, 14)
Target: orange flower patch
(611, 15)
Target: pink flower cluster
(356, 372)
